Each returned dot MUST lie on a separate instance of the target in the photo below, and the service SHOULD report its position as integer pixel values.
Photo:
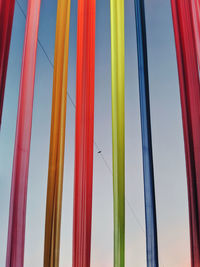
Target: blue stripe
(149, 191)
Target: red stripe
(196, 24)
(84, 133)
(17, 216)
(190, 101)
(6, 21)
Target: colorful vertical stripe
(17, 218)
(118, 127)
(57, 139)
(83, 178)
(190, 101)
(149, 191)
(6, 21)
(196, 25)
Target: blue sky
(168, 148)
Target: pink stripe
(17, 218)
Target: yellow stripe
(118, 129)
(57, 139)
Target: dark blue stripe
(149, 191)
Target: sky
(167, 134)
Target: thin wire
(42, 47)
(96, 145)
(127, 201)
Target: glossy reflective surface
(17, 215)
(57, 139)
(190, 101)
(83, 177)
(118, 128)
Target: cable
(96, 145)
